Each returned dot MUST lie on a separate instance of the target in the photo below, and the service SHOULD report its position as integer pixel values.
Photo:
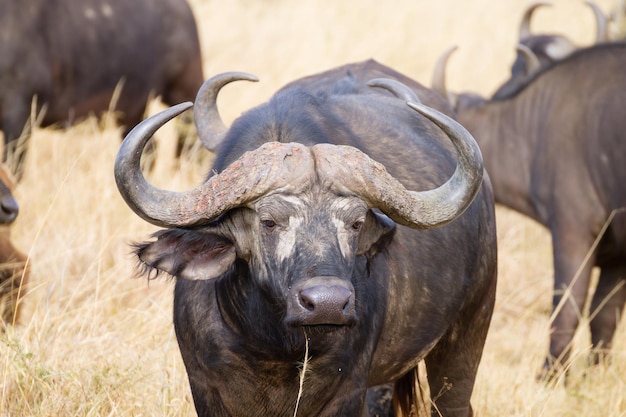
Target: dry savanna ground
(95, 341)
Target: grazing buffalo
(555, 151)
(536, 51)
(13, 271)
(341, 237)
(70, 56)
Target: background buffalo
(554, 148)
(63, 60)
(94, 341)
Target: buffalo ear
(187, 254)
(376, 232)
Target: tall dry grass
(95, 341)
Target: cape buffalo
(536, 51)
(306, 271)
(70, 55)
(555, 150)
(13, 271)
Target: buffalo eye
(357, 225)
(268, 224)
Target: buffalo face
(308, 245)
(302, 248)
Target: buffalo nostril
(307, 300)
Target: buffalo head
(297, 215)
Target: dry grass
(96, 342)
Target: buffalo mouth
(321, 329)
(347, 323)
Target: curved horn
(439, 77)
(395, 87)
(211, 129)
(273, 166)
(602, 33)
(531, 61)
(524, 27)
(419, 210)
(145, 200)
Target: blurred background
(95, 340)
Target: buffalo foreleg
(606, 308)
(452, 365)
(572, 271)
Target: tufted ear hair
(377, 228)
(187, 254)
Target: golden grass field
(95, 341)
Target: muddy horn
(273, 166)
(420, 210)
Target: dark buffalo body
(554, 148)
(313, 261)
(71, 55)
